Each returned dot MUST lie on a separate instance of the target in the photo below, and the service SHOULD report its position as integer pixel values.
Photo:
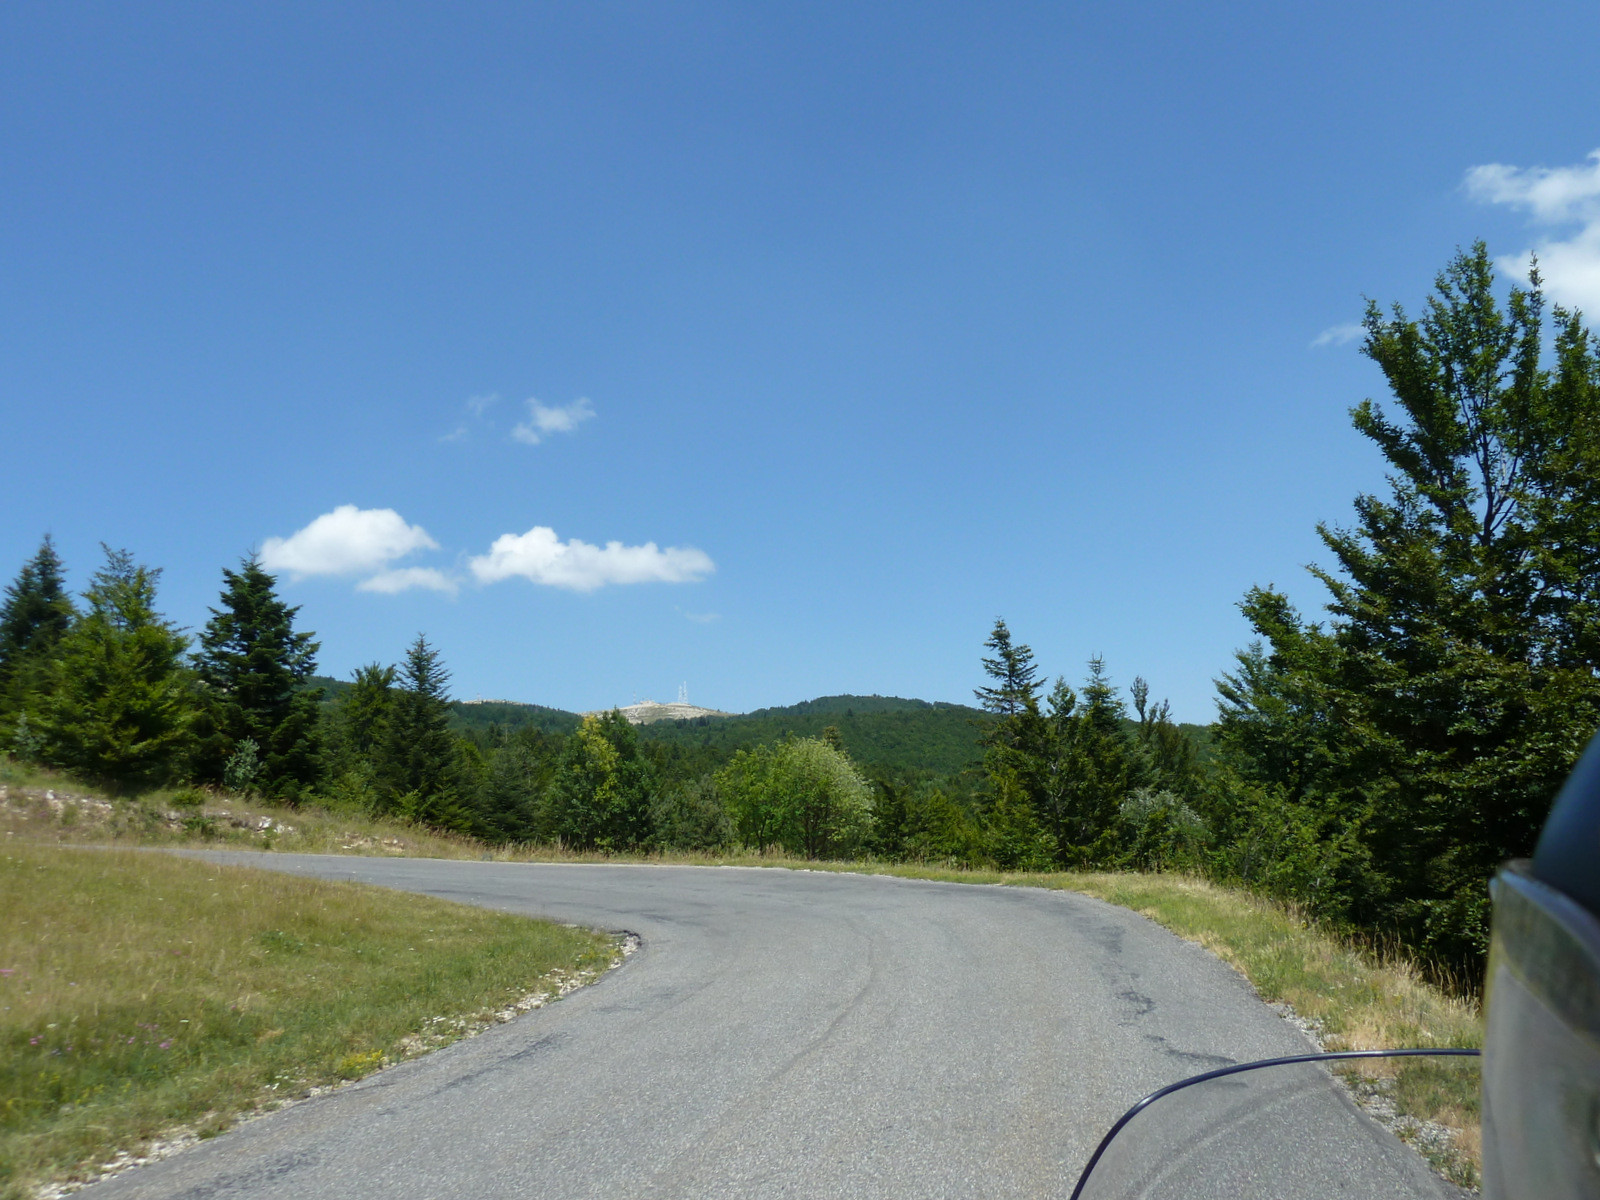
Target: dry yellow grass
(141, 992)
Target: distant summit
(649, 712)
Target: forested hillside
(883, 734)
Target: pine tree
(123, 702)
(36, 614)
(256, 669)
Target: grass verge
(142, 994)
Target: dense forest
(1373, 766)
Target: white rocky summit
(648, 712)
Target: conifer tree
(417, 770)
(1016, 678)
(34, 617)
(1170, 758)
(507, 800)
(359, 724)
(256, 669)
(1429, 724)
(1092, 768)
(122, 703)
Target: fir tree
(417, 772)
(1170, 758)
(123, 702)
(256, 668)
(362, 716)
(34, 617)
(1092, 768)
(1429, 724)
(507, 800)
(1016, 678)
(358, 738)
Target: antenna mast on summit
(683, 693)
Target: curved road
(780, 1033)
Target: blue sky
(853, 326)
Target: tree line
(113, 692)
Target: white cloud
(474, 407)
(1338, 335)
(541, 557)
(1553, 194)
(346, 541)
(542, 421)
(1556, 197)
(402, 579)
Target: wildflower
(166, 1045)
(8, 970)
(33, 1041)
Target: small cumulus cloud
(346, 541)
(1559, 198)
(1338, 335)
(543, 421)
(541, 557)
(478, 405)
(702, 618)
(403, 579)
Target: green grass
(141, 994)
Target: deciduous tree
(600, 798)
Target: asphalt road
(791, 1034)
